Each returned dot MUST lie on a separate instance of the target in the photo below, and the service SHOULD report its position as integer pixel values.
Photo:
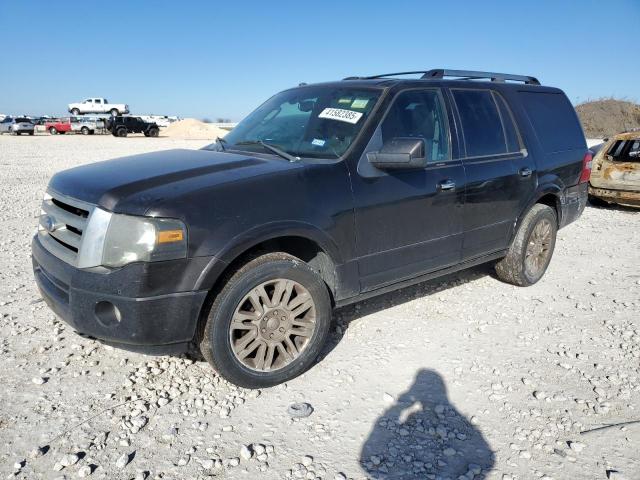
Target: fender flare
(251, 238)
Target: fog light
(107, 314)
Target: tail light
(586, 167)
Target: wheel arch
(550, 195)
(304, 241)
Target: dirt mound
(193, 129)
(606, 117)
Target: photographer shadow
(423, 434)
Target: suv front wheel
(532, 248)
(268, 323)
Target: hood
(137, 183)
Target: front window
(419, 114)
(316, 122)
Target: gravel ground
(461, 378)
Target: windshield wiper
(221, 142)
(272, 149)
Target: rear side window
(481, 124)
(554, 121)
(625, 151)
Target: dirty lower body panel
(621, 197)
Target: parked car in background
(85, 126)
(123, 125)
(58, 126)
(615, 176)
(17, 126)
(325, 195)
(98, 105)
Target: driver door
(409, 222)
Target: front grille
(62, 223)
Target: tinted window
(420, 114)
(481, 125)
(510, 129)
(97, 100)
(554, 121)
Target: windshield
(317, 122)
(23, 120)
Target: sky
(210, 59)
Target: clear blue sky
(221, 59)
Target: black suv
(120, 126)
(326, 194)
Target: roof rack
(460, 74)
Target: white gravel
(461, 378)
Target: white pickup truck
(98, 105)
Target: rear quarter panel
(558, 160)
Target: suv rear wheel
(268, 323)
(75, 112)
(532, 248)
(152, 132)
(114, 112)
(52, 130)
(121, 132)
(85, 130)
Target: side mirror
(400, 153)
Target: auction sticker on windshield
(341, 115)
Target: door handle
(446, 185)
(525, 172)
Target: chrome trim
(90, 253)
(62, 232)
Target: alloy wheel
(272, 325)
(538, 248)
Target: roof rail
(460, 74)
(472, 75)
(372, 77)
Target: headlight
(143, 239)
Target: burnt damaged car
(615, 176)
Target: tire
(31, 133)
(514, 267)
(267, 271)
(121, 132)
(114, 112)
(152, 132)
(75, 112)
(85, 130)
(53, 131)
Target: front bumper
(621, 197)
(107, 304)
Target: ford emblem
(49, 224)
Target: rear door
(409, 222)
(98, 107)
(501, 176)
